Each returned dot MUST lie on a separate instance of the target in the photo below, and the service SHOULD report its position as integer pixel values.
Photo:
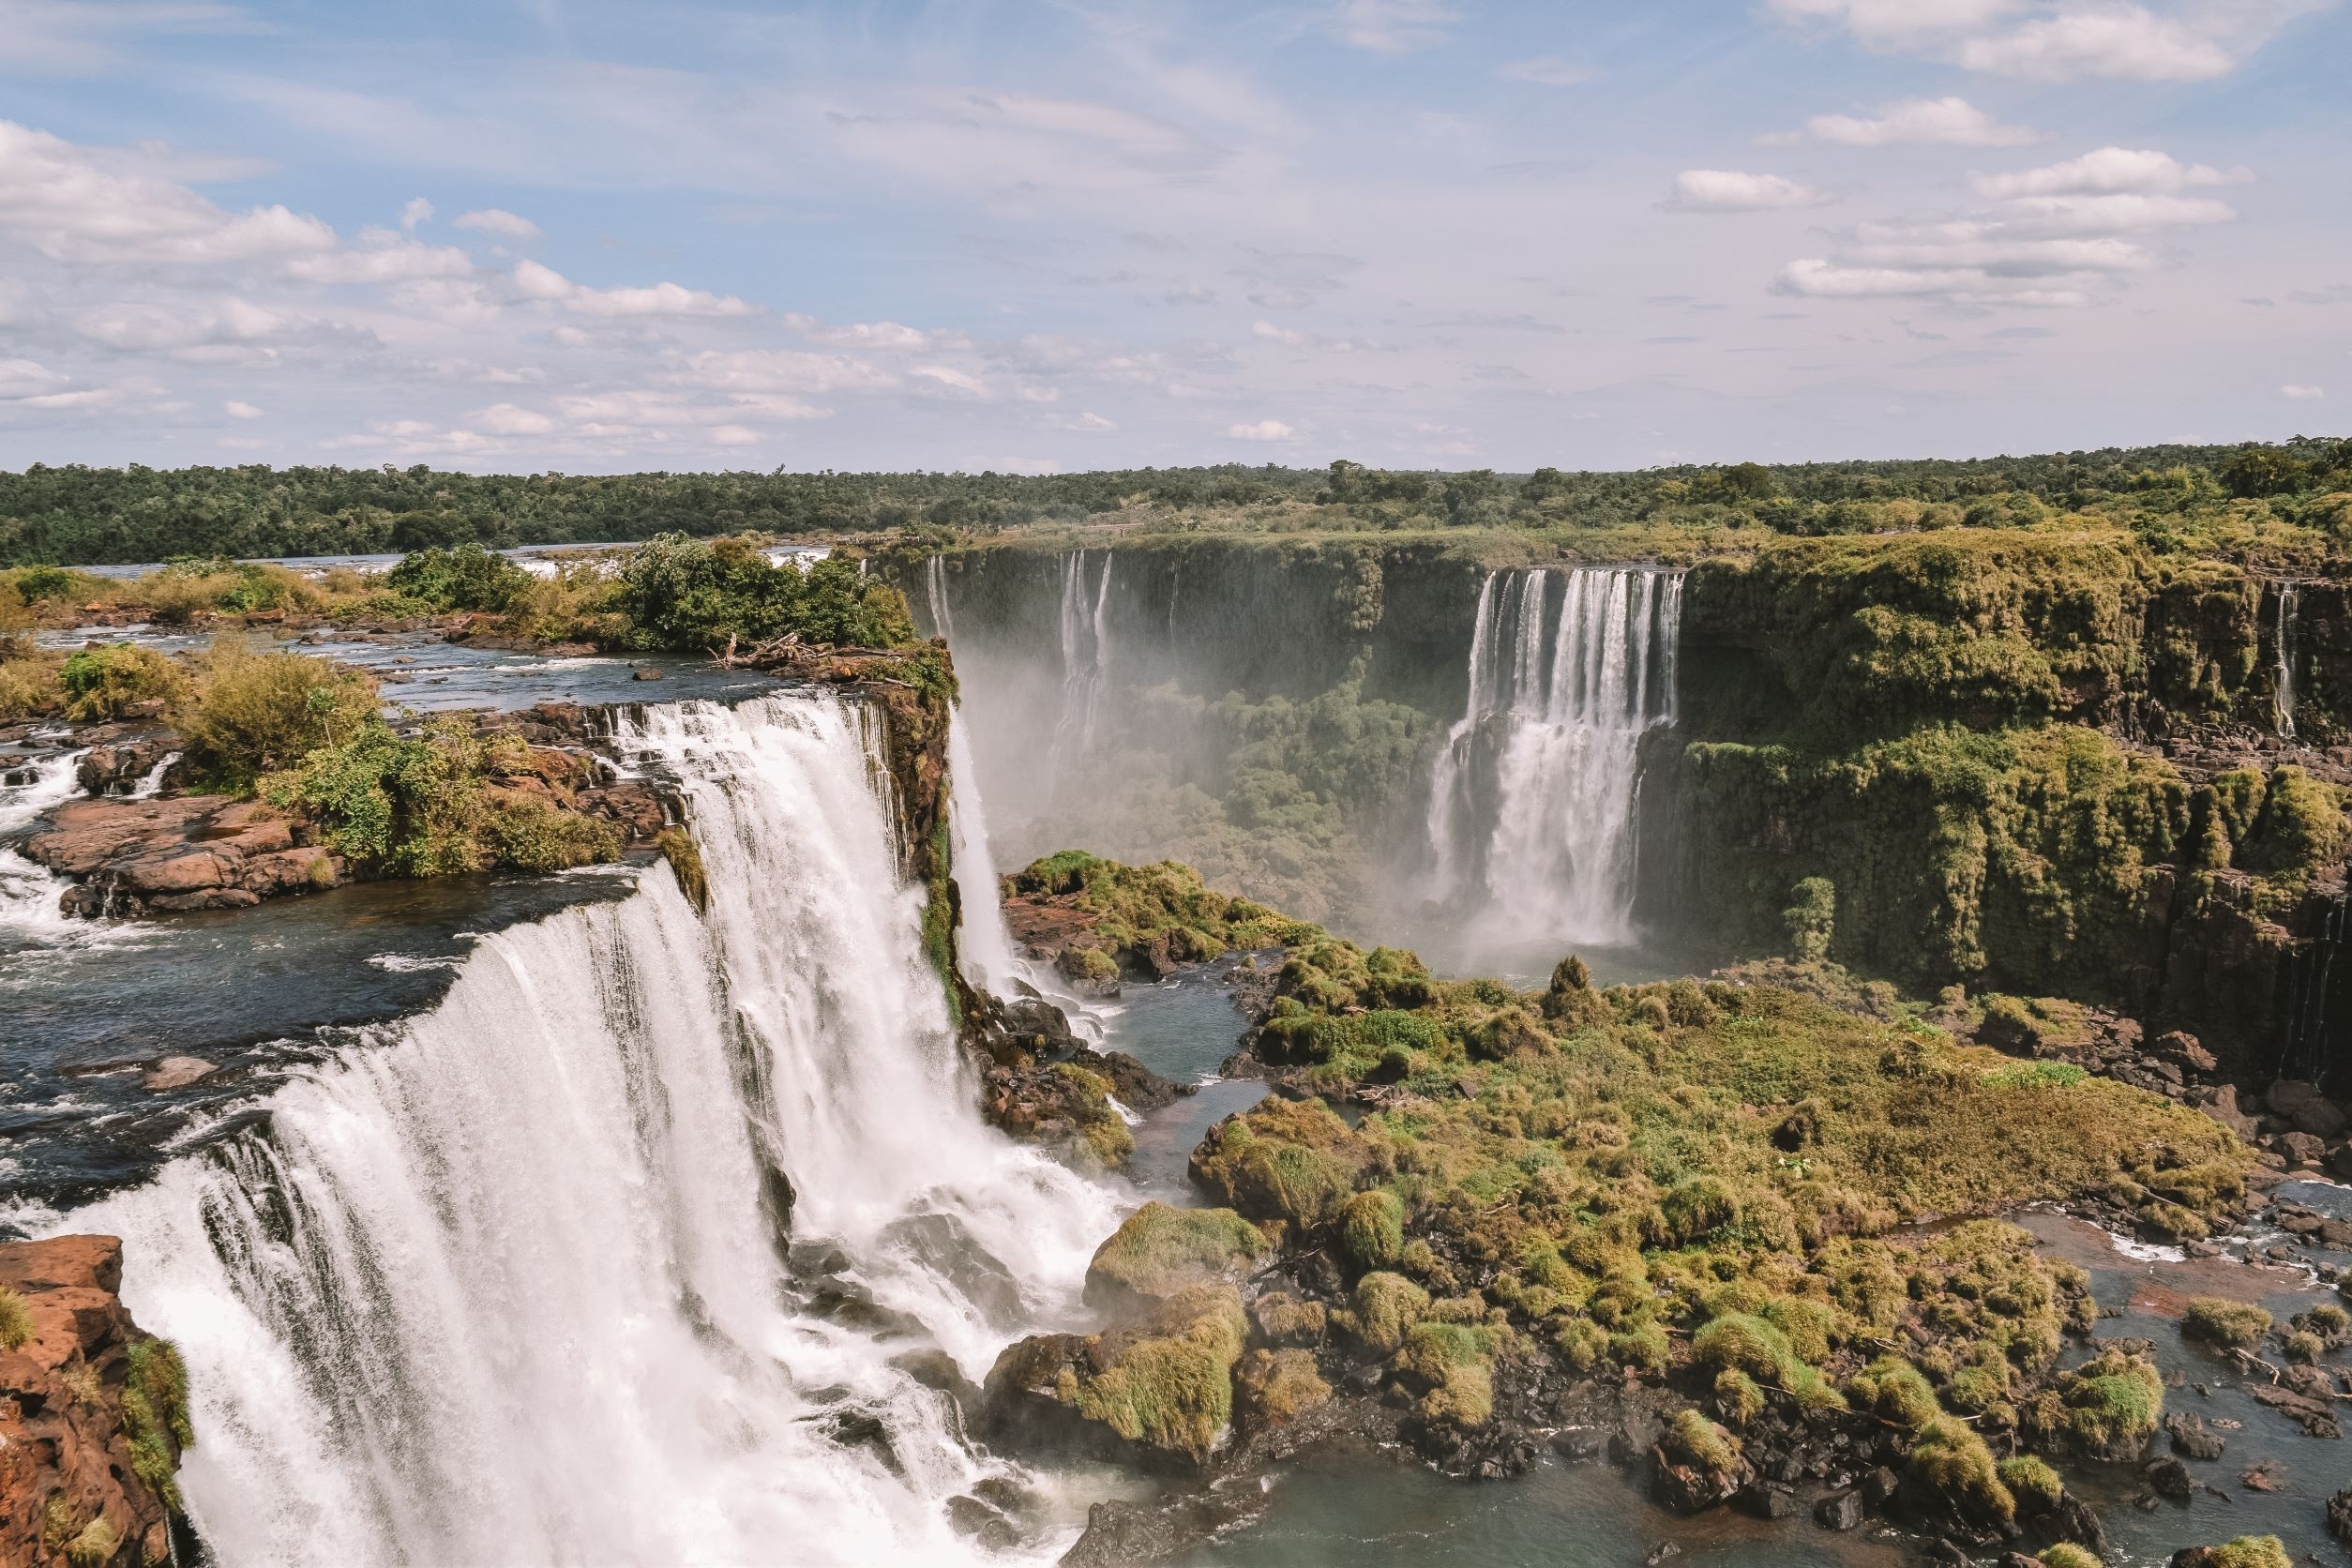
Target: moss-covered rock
(1161, 1251)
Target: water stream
(619, 1254)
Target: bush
(466, 577)
(695, 594)
(106, 683)
(1894, 1390)
(2033, 1481)
(2248, 1551)
(1387, 1307)
(30, 688)
(16, 1322)
(2225, 1323)
(257, 713)
(2068, 1554)
(1811, 918)
(1950, 1463)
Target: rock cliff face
(93, 1413)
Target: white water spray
(1532, 805)
(29, 893)
(1085, 659)
(984, 944)
(935, 590)
(511, 1286)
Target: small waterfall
(984, 944)
(2283, 692)
(514, 1284)
(1085, 659)
(1531, 811)
(935, 592)
(2311, 1052)
(28, 892)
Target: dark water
(1182, 1028)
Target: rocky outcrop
(192, 852)
(93, 1413)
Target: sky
(516, 235)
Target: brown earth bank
(93, 1414)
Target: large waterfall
(515, 1285)
(1533, 803)
(1085, 632)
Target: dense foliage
(697, 595)
(74, 514)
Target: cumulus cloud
(1728, 190)
(2110, 170)
(1952, 122)
(499, 221)
(877, 336)
(1287, 336)
(78, 205)
(417, 210)
(1264, 430)
(2303, 393)
(389, 260)
(2058, 235)
(533, 281)
(237, 409)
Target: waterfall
(1085, 661)
(984, 944)
(2282, 694)
(1532, 802)
(935, 590)
(513, 1284)
(28, 892)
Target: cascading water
(2283, 692)
(935, 592)
(1532, 805)
(984, 944)
(514, 1284)
(1085, 659)
(29, 910)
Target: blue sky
(520, 235)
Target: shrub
(1894, 1390)
(677, 846)
(466, 577)
(94, 1547)
(2068, 1554)
(257, 713)
(29, 688)
(529, 835)
(1811, 919)
(2304, 1346)
(1387, 1307)
(16, 1322)
(1701, 1444)
(2248, 1551)
(2225, 1323)
(1738, 1397)
(1951, 1463)
(106, 683)
(695, 594)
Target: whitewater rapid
(515, 1284)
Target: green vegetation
(16, 1322)
(2225, 1323)
(702, 594)
(2065, 1554)
(155, 1416)
(114, 681)
(255, 714)
(1160, 1250)
(466, 577)
(677, 847)
(95, 1545)
(2247, 1551)
(1173, 1387)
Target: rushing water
(514, 1285)
(29, 892)
(1085, 634)
(2282, 691)
(1533, 803)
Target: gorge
(672, 1168)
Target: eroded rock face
(93, 1414)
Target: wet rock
(2170, 1478)
(1767, 1501)
(113, 768)
(970, 1516)
(2305, 1107)
(1661, 1552)
(1118, 1534)
(2301, 1148)
(2339, 1515)
(645, 672)
(174, 1071)
(2191, 1438)
(1839, 1511)
(2316, 1417)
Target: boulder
(2339, 1515)
(1839, 1511)
(174, 1071)
(2305, 1107)
(2191, 1438)
(2224, 1108)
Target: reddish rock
(193, 853)
(69, 1475)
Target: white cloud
(2109, 171)
(497, 221)
(734, 435)
(1548, 70)
(535, 282)
(25, 378)
(1264, 430)
(1391, 26)
(1273, 334)
(512, 420)
(1091, 422)
(1728, 190)
(878, 337)
(417, 210)
(781, 371)
(1952, 122)
(75, 204)
(2059, 40)
(2303, 393)
(236, 410)
(390, 260)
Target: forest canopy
(73, 515)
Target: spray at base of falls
(511, 1285)
(1532, 807)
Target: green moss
(1160, 1250)
(1698, 1443)
(2032, 1483)
(2065, 1554)
(2248, 1551)
(1387, 1307)
(1174, 1389)
(2220, 1321)
(1894, 1390)
(2110, 1405)
(1950, 1462)
(1373, 1224)
(1738, 1398)
(677, 847)
(156, 1418)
